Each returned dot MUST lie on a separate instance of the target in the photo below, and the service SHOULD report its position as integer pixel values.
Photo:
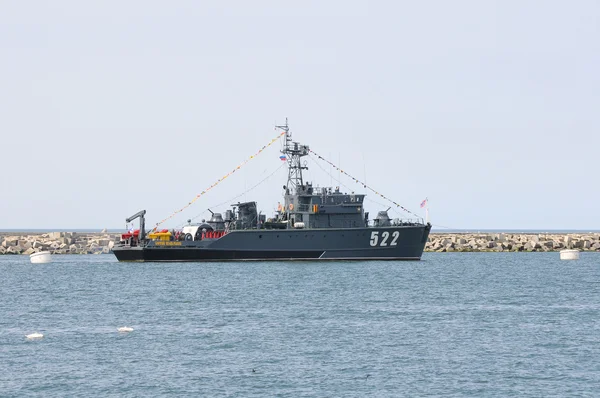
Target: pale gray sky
(489, 108)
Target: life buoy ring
(291, 206)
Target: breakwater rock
(102, 243)
(513, 242)
(58, 243)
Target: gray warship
(312, 223)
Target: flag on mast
(424, 203)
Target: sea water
(454, 324)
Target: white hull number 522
(385, 236)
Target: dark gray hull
(385, 243)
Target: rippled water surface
(455, 324)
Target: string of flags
(362, 183)
(238, 196)
(221, 179)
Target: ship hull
(388, 243)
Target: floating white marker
(125, 329)
(34, 336)
(40, 257)
(569, 254)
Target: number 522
(385, 236)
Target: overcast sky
(488, 108)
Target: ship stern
(128, 253)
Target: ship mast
(293, 152)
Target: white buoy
(40, 258)
(125, 329)
(34, 336)
(569, 254)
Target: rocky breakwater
(511, 242)
(58, 243)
